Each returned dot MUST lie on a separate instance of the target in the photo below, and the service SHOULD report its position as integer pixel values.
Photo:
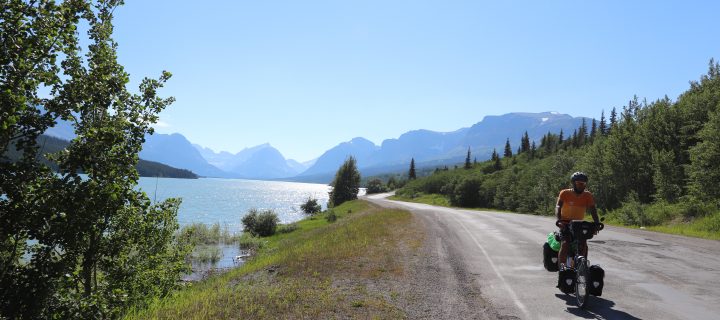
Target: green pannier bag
(554, 244)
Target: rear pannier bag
(550, 258)
(597, 275)
(566, 281)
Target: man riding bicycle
(572, 205)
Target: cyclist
(572, 205)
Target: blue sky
(307, 75)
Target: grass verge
(438, 200)
(707, 227)
(433, 199)
(312, 272)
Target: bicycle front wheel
(582, 294)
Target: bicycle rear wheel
(582, 294)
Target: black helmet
(579, 176)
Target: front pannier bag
(550, 253)
(597, 276)
(566, 280)
(550, 258)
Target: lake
(226, 201)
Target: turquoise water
(226, 201)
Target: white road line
(514, 297)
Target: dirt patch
(431, 280)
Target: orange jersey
(574, 205)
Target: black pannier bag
(566, 280)
(550, 258)
(582, 230)
(597, 275)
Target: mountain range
(431, 148)
(428, 148)
(259, 162)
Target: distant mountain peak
(362, 140)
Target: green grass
(206, 254)
(438, 200)
(433, 199)
(707, 227)
(202, 234)
(296, 274)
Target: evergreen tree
(497, 165)
(705, 160)
(525, 143)
(593, 130)
(508, 151)
(392, 183)
(660, 131)
(468, 164)
(613, 120)
(533, 150)
(560, 138)
(582, 133)
(346, 184)
(696, 105)
(575, 139)
(603, 125)
(411, 173)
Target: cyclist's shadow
(598, 308)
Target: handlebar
(598, 225)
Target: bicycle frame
(581, 231)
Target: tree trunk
(88, 265)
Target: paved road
(647, 275)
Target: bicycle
(579, 231)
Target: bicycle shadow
(598, 308)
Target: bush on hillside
(375, 186)
(250, 243)
(311, 206)
(330, 216)
(287, 228)
(466, 192)
(260, 224)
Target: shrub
(206, 254)
(330, 216)
(466, 193)
(287, 228)
(250, 243)
(261, 224)
(694, 208)
(710, 223)
(311, 206)
(660, 212)
(375, 186)
(631, 212)
(201, 234)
